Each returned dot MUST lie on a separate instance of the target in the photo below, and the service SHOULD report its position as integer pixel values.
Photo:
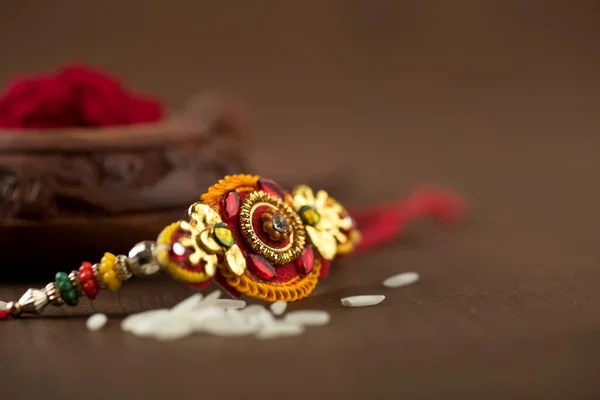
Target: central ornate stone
(276, 225)
(280, 223)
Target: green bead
(224, 235)
(61, 276)
(63, 283)
(70, 298)
(309, 215)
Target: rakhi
(251, 237)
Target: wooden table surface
(497, 100)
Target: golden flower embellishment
(321, 215)
(208, 236)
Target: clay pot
(69, 195)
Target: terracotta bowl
(69, 195)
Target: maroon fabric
(284, 272)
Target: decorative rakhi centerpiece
(257, 239)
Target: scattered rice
(131, 321)
(231, 304)
(172, 330)
(96, 322)
(188, 304)
(230, 318)
(209, 300)
(278, 308)
(308, 317)
(399, 280)
(279, 330)
(362, 301)
(224, 327)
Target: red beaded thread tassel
(383, 224)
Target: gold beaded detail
(123, 267)
(98, 276)
(14, 308)
(74, 279)
(54, 295)
(297, 236)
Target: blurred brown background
(496, 98)
(393, 70)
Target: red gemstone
(231, 204)
(261, 267)
(270, 186)
(306, 261)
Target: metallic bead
(98, 276)
(74, 278)
(53, 295)
(141, 259)
(123, 266)
(33, 301)
(14, 308)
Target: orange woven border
(239, 183)
(274, 292)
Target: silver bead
(141, 259)
(33, 301)
(123, 266)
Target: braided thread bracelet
(251, 237)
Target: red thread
(74, 96)
(382, 224)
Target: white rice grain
(171, 330)
(229, 328)
(231, 304)
(279, 329)
(209, 300)
(308, 317)
(362, 301)
(130, 321)
(96, 322)
(278, 307)
(188, 304)
(399, 280)
(254, 309)
(198, 319)
(149, 324)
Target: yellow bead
(105, 267)
(111, 281)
